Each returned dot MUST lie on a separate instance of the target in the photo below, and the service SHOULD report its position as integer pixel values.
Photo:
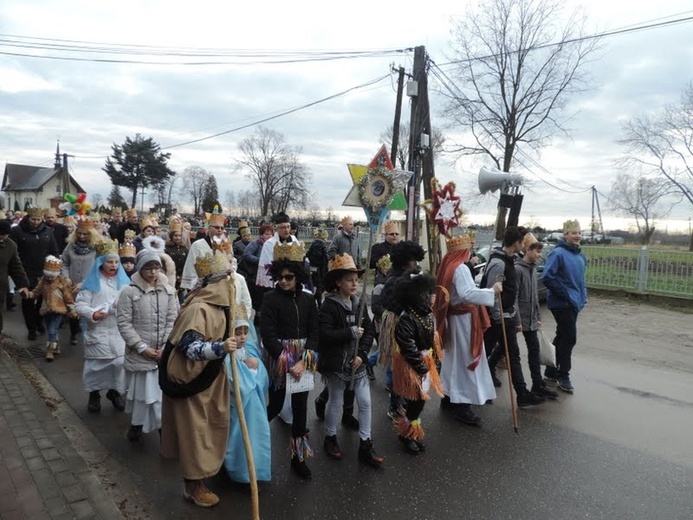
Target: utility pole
(414, 91)
(398, 116)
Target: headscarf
(93, 280)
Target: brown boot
(197, 492)
(56, 348)
(49, 351)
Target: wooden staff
(241, 413)
(513, 404)
(362, 305)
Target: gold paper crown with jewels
(384, 264)
(127, 251)
(216, 218)
(211, 264)
(52, 264)
(223, 245)
(291, 251)
(458, 243)
(84, 223)
(107, 247)
(130, 233)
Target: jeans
(53, 321)
(533, 357)
(493, 336)
(362, 392)
(348, 399)
(566, 337)
(299, 406)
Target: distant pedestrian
(346, 241)
(10, 267)
(564, 278)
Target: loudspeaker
(491, 180)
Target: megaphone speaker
(492, 180)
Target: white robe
(263, 278)
(459, 383)
(200, 248)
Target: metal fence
(643, 270)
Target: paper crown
(391, 227)
(132, 213)
(127, 251)
(211, 263)
(106, 247)
(342, 262)
(34, 212)
(117, 211)
(221, 244)
(129, 233)
(245, 232)
(52, 264)
(175, 226)
(69, 221)
(84, 223)
(291, 251)
(147, 222)
(240, 313)
(322, 234)
(216, 218)
(50, 212)
(346, 219)
(571, 225)
(458, 243)
(242, 224)
(528, 240)
(384, 264)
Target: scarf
(82, 248)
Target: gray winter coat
(343, 243)
(527, 295)
(76, 267)
(145, 319)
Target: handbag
(547, 351)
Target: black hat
(5, 227)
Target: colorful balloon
(70, 197)
(81, 197)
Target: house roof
(22, 177)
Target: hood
(350, 305)
(524, 263)
(570, 247)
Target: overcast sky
(91, 105)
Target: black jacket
(288, 315)
(413, 338)
(33, 246)
(336, 344)
(60, 233)
(377, 252)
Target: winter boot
(410, 445)
(464, 413)
(49, 351)
(56, 348)
(301, 469)
(332, 447)
(320, 405)
(134, 432)
(116, 400)
(368, 455)
(197, 493)
(94, 402)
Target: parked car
(541, 289)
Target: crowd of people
(174, 322)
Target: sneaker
(332, 448)
(370, 372)
(543, 391)
(496, 382)
(197, 493)
(301, 469)
(116, 400)
(565, 384)
(134, 432)
(368, 455)
(73, 339)
(49, 351)
(350, 422)
(320, 405)
(465, 414)
(56, 349)
(528, 399)
(94, 405)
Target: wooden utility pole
(398, 116)
(415, 131)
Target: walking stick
(241, 416)
(362, 306)
(513, 404)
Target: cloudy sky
(89, 105)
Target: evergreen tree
(210, 195)
(115, 199)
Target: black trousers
(533, 356)
(30, 309)
(414, 409)
(494, 336)
(299, 407)
(566, 337)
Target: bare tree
(662, 144)
(640, 197)
(274, 168)
(402, 157)
(516, 66)
(96, 201)
(193, 186)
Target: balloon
(65, 206)
(70, 197)
(71, 212)
(77, 207)
(87, 206)
(81, 197)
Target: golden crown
(343, 261)
(84, 223)
(132, 213)
(52, 264)
(391, 227)
(117, 211)
(147, 222)
(291, 251)
(211, 264)
(127, 251)
(384, 264)
(458, 243)
(223, 245)
(130, 233)
(107, 247)
(240, 313)
(216, 218)
(571, 225)
(175, 226)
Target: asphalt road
(619, 448)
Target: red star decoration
(444, 209)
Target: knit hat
(5, 227)
(144, 257)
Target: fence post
(643, 264)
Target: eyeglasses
(287, 277)
(393, 234)
(154, 268)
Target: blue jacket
(564, 277)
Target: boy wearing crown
(192, 375)
(56, 301)
(131, 223)
(104, 348)
(289, 329)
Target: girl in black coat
(289, 329)
(341, 366)
(413, 364)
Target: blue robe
(253, 389)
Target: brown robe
(195, 430)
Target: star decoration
(444, 208)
